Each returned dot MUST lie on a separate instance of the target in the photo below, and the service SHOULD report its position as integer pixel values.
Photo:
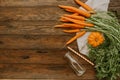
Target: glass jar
(75, 64)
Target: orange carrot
(72, 31)
(85, 6)
(74, 25)
(78, 22)
(75, 17)
(70, 25)
(82, 12)
(76, 36)
(63, 20)
(69, 10)
(76, 14)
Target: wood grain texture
(30, 28)
(36, 63)
(33, 56)
(44, 79)
(41, 71)
(37, 13)
(33, 42)
(34, 3)
(36, 56)
(31, 48)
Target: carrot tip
(65, 14)
(61, 6)
(92, 12)
(56, 26)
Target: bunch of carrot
(104, 39)
(76, 22)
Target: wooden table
(30, 47)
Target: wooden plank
(28, 23)
(115, 0)
(33, 56)
(23, 14)
(114, 8)
(36, 71)
(30, 28)
(32, 3)
(33, 42)
(39, 13)
(36, 56)
(35, 14)
(114, 3)
(17, 79)
(45, 79)
(24, 3)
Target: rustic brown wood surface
(30, 47)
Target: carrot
(69, 10)
(76, 36)
(82, 12)
(61, 26)
(78, 22)
(72, 31)
(75, 17)
(74, 25)
(76, 14)
(85, 6)
(70, 25)
(63, 20)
